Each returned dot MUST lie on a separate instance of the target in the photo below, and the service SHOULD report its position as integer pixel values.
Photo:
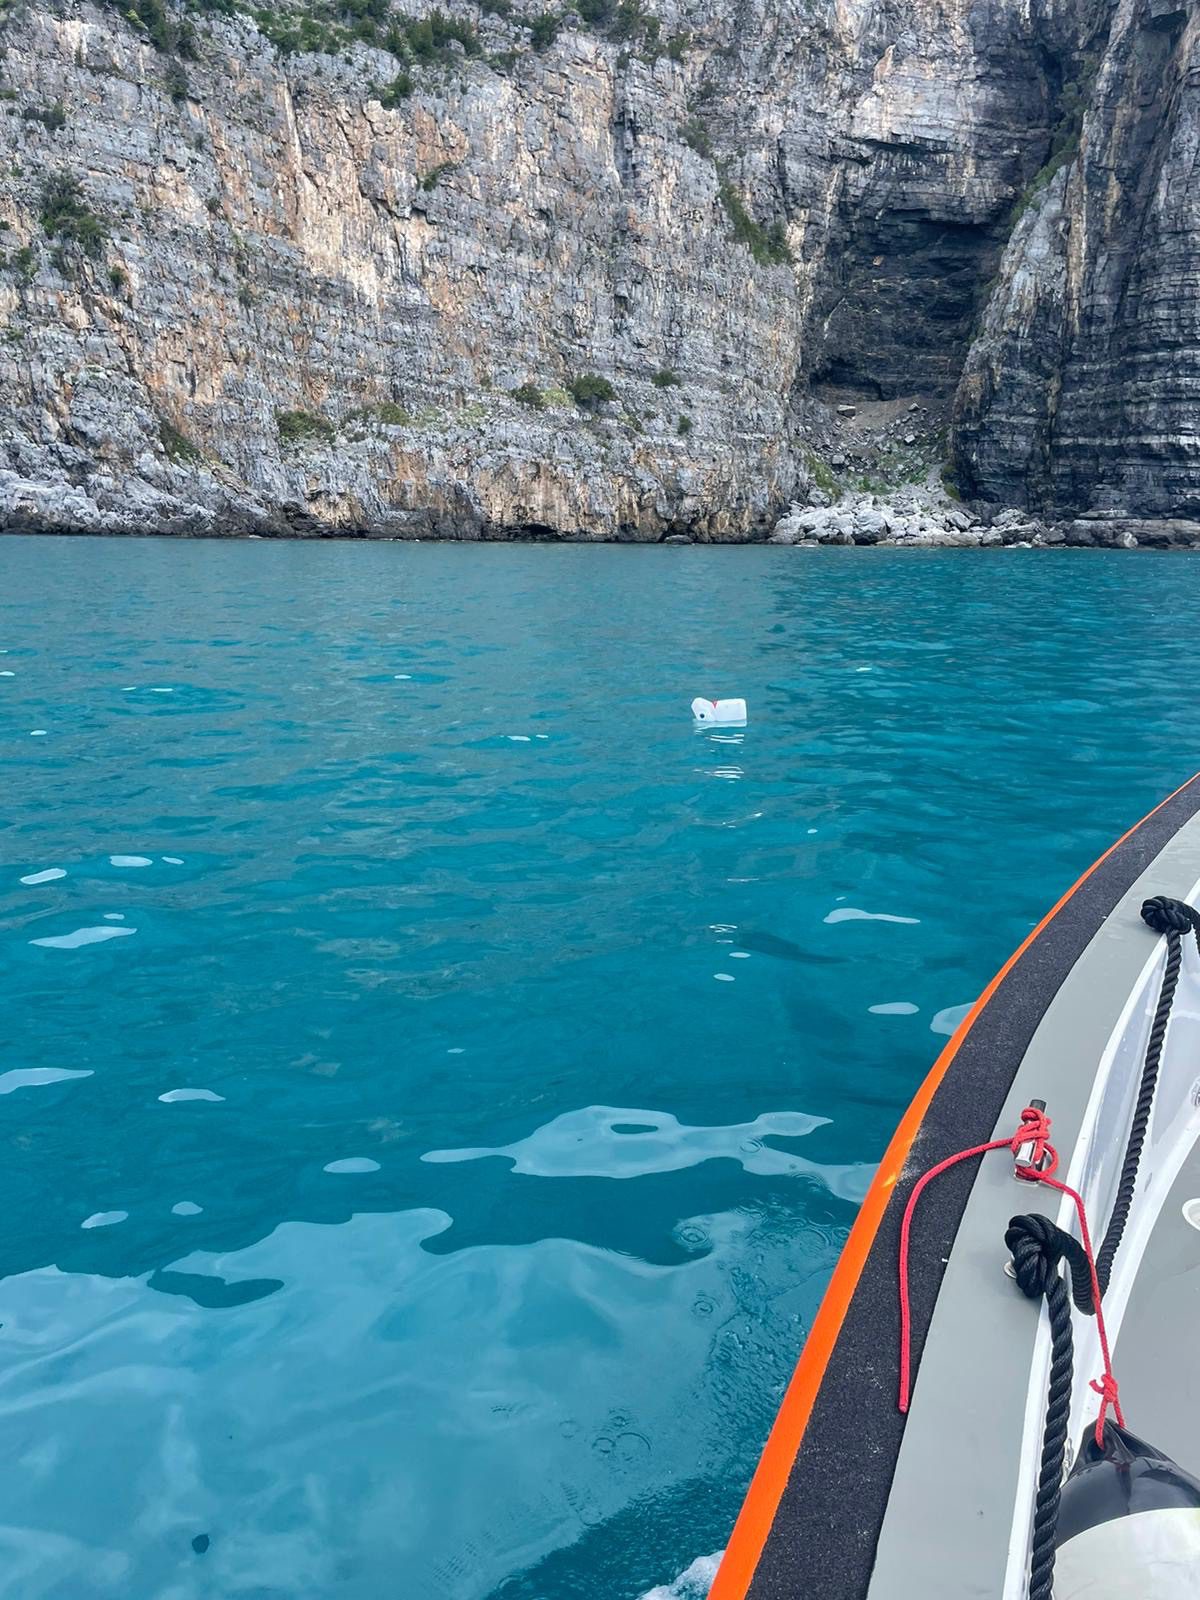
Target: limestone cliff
(1082, 392)
(584, 271)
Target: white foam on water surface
(518, 738)
(114, 916)
(402, 677)
(130, 861)
(352, 1164)
(34, 1077)
(7, 674)
(724, 977)
(48, 876)
(103, 1219)
(853, 914)
(455, 1050)
(82, 936)
(186, 1208)
(162, 691)
(691, 1584)
(174, 1095)
(739, 955)
(37, 733)
(173, 861)
(894, 1008)
(946, 1021)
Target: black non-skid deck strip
(822, 1543)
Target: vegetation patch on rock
(302, 427)
(66, 217)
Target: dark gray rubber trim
(822, 1543)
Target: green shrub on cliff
(173, 35)
(175, 80)
(392, 94)
(433, 177)
(23, 262)
(329, 27)
(544, 29)
(384, 413)
(696, 134)
(430, 38)
(530, 395)
(53, 118)
(65, 215)
(176, 445)
(1073, 100)
(302, 427)
(625, 21)
(768, 246)
(821, 474)
(629, 20)
(590, 391)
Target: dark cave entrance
(901, 301)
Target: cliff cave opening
(901, 301)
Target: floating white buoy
(718, 710)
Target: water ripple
(619, 1142)
(34, 1077)
(80, 937)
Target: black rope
(1037, 1247)
(1054, 1444)
(1172, 918)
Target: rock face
(1082, 391)
(584, 280)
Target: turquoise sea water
(436, 1079)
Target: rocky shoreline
(200, 501)
(862, 520)
(915, 521)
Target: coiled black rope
(1037, 1245)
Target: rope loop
(1106, 1387)
(1034, 1133)
(1036, 1246)
(1162, 914)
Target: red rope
(1039, 1167)
(1106, 1385)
